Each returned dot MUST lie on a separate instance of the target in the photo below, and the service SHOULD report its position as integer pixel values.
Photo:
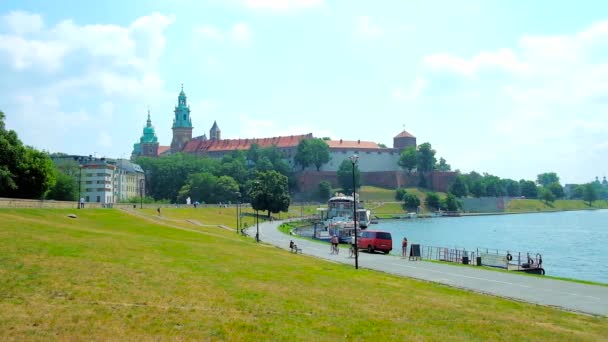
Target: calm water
(573, 244)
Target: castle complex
(378, 164)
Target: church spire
(149, 122)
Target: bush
(411, 202)
(399, 193)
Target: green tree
(345, 176)
(556, 189)
(459, 187)
(312, 152)
(451, 203)
(399, 193)
(547, 178)
(269, 192)
(432, 201)
(589, 193)
(408, 158)
(426, 158)
(65, 188)
(546, 195)
(225, 189)
(411, 202)
(512, 187)
(478, 188)
(493, 186)
(199, 187)
(324, 190)
(443, 165)
(577, 192)
(528, 189)
(24, 171)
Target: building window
(87, 198)
(98, 199)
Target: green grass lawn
(521, 205)
(109, 275)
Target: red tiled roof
(163, 149)
(404, 134)
(351, 144)
(202, 146)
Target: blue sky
(512, 88)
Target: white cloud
(239, 33)
(22, 23)
(367, 29)
(258, 128)
(107, 64)
(546, 94)
(418, 86)
(282, 5)
(209, 32)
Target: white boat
(338, 219)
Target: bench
(295, 249)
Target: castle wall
(437, 181)
(375, 160)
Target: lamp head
(354, 158)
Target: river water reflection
(573, 244)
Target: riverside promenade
(584, 298)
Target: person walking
(334, 244)
(158, 210)
(404, 247)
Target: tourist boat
(338, 218)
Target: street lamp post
(141, 193)
(238, 201)
(79, 185)
(353, 160)
(257, 226)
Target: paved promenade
(590, 299)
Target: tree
(24, 171)
(512, 187)
(320, 152)
(65, 188)
(269, 192)
(493, 186)
(556, 189)
(432, 201)
(589, 193)
(451, 203)
(546, 195)
(477, 188)
(324, 190)
(578, 192)
(304, 155)
(225, 189)
(426, 158)
(399, 193)
(547, 178)
(443, 165)
(459, 187)
(345, 176)
(199, 187)
(408, 158)
(528, 189)
(411, 202)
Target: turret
(215, 133)
(182, 124)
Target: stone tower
(182, 124)
(403, 140)
(148, 143)
(215, 133)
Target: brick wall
(439, 181)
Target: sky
(512, 88)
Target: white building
(129, 180)
(98, 181)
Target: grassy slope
(538, 205)
(109, 275)
(383, 203)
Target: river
(573, 244)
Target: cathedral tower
(182, 124)
(148, 143)
(215, 133)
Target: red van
(374, 240)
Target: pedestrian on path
(404, 247)
(158, 210)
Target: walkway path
(591, 299)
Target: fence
(484, 257)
